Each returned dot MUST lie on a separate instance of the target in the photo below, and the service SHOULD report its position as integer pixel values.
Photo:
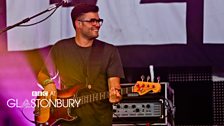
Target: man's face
(89, 25)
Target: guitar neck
(101, 95)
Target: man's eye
(93, 20)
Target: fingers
(115, 95)
(52, 91)
(52, 95)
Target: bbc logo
(39, 93)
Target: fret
(126, 90)
(85, 99)
(101, 95)
(130, 89)
(121, 91)
(90, 98)
(104, 95)
(83, 102)
(95, 97)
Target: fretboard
(101, 96)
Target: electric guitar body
(48, 115)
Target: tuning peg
(142, 77)
(158, 79)
(148, 78)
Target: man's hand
(52, 91)
(114, 89)
(114, 95)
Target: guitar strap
(95, 63)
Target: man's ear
(77, 24)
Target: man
(90, 63)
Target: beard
(91, 34)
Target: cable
(170, 109)
(55, 8)
(21, 110)
(123, 120)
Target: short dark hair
(82, 8)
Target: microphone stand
(29, 18)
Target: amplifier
(143, 109)
(148, 108)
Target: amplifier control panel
(146, 109)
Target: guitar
(46, 114)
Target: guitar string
(101, 95)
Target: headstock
(142, 87)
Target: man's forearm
(44, 79)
